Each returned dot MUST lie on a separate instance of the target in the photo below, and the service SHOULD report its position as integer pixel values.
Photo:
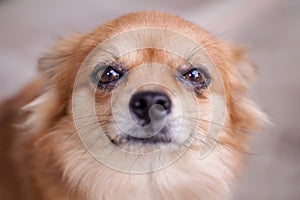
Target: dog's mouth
(162, 137)
(156, 139)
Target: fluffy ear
(49, 63)
(245, 113)
(54, 78)
(245, 69)
(59, 66)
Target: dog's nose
(148, 104)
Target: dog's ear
(245, 113)
(54, 79)
(58, 67)
(246, 71)
(50, 62)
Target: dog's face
(146, 90)
(148, 97)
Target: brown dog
(148, 106)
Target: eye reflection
(195, 76)
(109, 75)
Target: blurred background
(269, 30)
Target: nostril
(164, 103)
(139, 104)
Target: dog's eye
(197, 76)
(105, 77)
(109, 75)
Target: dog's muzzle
(149, 109)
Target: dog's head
(146, 93)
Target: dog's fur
(42, 159)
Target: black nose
(141, 102)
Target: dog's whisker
(237, 130)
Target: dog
(147, 106)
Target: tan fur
(47, 159)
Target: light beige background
(269, 29)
